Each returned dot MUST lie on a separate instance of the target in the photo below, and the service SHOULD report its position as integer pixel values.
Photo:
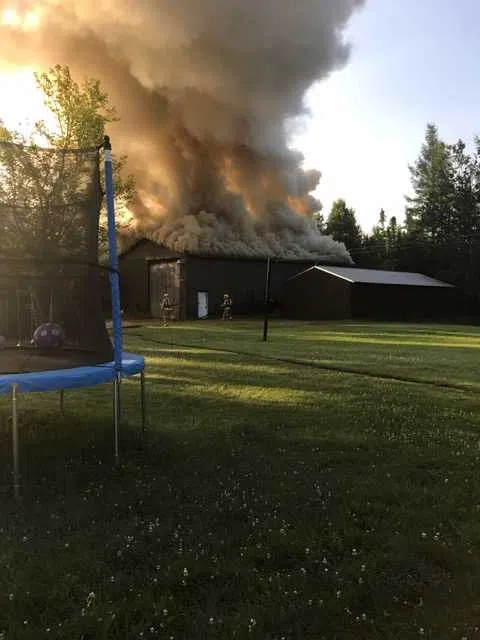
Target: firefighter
(227, 307)
(166, 309)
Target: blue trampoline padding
(71, 378)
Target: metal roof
(373, 276)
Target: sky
(412, 62)
(19, 98)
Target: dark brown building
(339, 293)
(196, 283)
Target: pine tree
(342, 225)
(430, 210)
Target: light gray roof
(373, 276)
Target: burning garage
(196, 282)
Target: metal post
(116, 415)
(267, 300)
(16, 463)
(142, 394)
(62, 400)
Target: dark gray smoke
(205, 90)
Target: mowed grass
(442, 354)
(273, 496)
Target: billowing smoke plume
(205, 90)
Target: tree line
(440, 235)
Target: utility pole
(267, 299)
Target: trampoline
(53, 332)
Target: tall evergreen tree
(342, 225)
(430, 210)
(381, 221)
(466, 236)
(466, 175)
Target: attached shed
(339, 293)
(196, 283)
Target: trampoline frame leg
(15, 449)
(143, 400)
(116, 416)
(119, 380)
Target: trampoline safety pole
(113, 254)
(15, 449)
(114, 285)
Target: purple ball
(48, 336)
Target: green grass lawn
(299, 488)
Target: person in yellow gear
(166, 308)
(227, 307)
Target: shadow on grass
(236, 515)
